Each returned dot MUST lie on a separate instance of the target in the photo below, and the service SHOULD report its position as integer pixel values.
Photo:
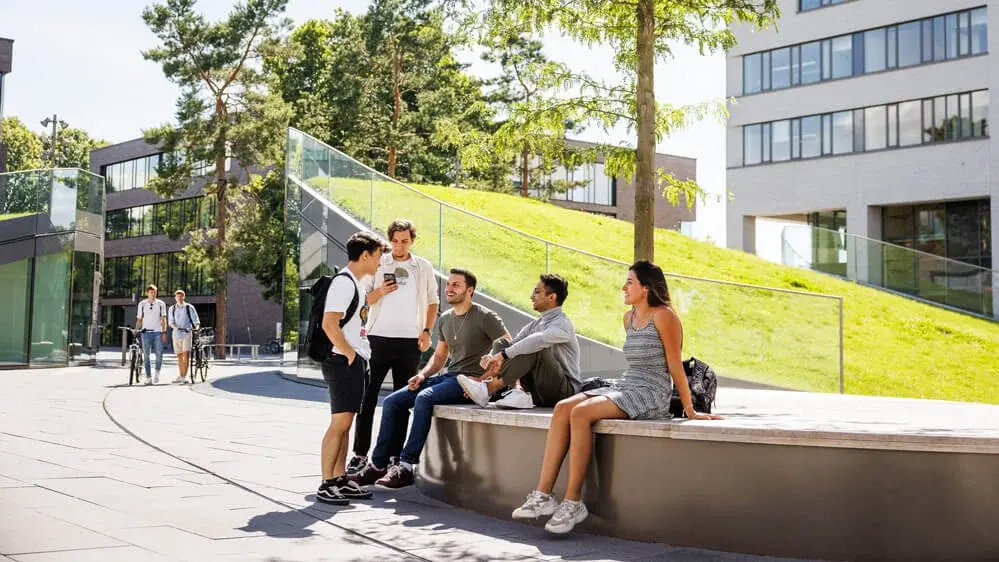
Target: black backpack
(317, 344)
(702, 382)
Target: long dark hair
(651, 276)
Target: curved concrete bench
(788, 474)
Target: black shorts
(345, 383)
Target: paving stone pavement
(94, 470)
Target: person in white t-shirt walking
(404, 299)
(183, 318)
(345, 371)
(151, 317)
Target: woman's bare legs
(557, 442)
(581, 419)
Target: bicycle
(203, 338)
(136, 360)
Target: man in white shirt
(404, 299)
(183, 318)
(151, 317)
(345, 371)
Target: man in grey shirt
(544, 356)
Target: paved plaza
(91, 470)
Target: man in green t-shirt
(465, 333)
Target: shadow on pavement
(271, 385)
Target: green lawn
(893, 346)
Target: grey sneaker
(156, 378)
(567, 516)
(149, 379)
(537, 504)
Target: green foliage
(72, 149)
(380, 85)
(225, 110)
(24, 147)
(638, 32)
(265, 244)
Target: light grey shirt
(554, 330)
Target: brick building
(615, 197)
(138, 253)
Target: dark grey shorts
(345, 383)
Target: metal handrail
(556, 244)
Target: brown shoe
(367, 475)
(398, 477)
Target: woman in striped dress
(653, 338)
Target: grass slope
(893, 346)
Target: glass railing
(769, 336)
(918, 274)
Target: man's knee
(399, 399)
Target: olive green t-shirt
(469, 337)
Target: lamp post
(56, 125)
(6, 57)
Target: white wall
(860, 182)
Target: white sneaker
(156, 378)
(476, 390)
(537, 504)
(149, 380)
(515, 399)
(180, 380)
(566, 517)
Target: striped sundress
(643, 392)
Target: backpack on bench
(702, 382)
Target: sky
(82, 61)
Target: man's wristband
(426, 330)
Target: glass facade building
(51, 248)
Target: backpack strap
(190, 318)
(352, 307)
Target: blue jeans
(154, 340)
(443, 389)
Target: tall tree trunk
(396, 106)
(525, 169)
(221, 215)
(645, 156)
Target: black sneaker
(356, 464)
(330, 494)
(351, 490)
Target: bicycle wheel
(204, 365)
(132, 364)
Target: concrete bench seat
(786, 473)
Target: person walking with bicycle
(151, 318)
(183, 319)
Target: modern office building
(138, 252)
(615, 197)
(870, 116)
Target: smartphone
(389, 278)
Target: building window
(936, 39)
(752, 141)
(184, 215)
(941, 119)
(806, 5)
(127, 276)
